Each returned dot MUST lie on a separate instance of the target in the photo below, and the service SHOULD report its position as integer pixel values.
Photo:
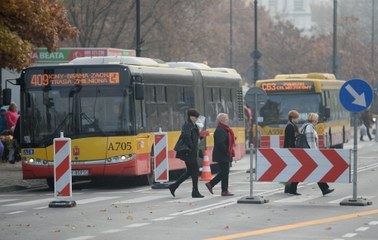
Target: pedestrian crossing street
(18, 202)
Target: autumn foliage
(25, 24)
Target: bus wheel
(50, 183)
(147, 179)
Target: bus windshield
(77, 111)
(278, 105)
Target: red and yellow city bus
(312, 92)
(111, 106)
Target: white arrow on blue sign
(356, 95)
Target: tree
(198, 31)
(25, 24)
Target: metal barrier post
(354, 201)
(251, 199)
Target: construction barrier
(303, 165)
(271, 141)
(62, 173)
(161, 166)
(277, 141)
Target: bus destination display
(288, 86)
(70, 79)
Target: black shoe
(209, 187)
(295, 193)
(172, 189)
(361, 139)
(196, 194)
(328, 191)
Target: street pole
(231, 34)
(372, 34)
(137, 22)
(334, 54)
(256, 53)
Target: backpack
(301, 140)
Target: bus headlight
(35, 161)
(121, 158)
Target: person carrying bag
(182, 150)
(187, 150)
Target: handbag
(301, 140)
(182, 150)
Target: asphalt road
(134, 212)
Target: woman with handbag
(188, 152)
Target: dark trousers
(368, 132)
(323, 186)
(224, 170)
(293, 187)
(192, 170)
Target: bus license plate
(80, 172)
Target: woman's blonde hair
(312, 117)
(221, 116)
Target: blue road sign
(356, 95)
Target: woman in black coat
(190, 135)
(291, 132)
(223, 152)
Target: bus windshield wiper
(93, 122)
(48, 139)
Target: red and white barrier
(303, 165)
(62, 167)
(161, 157)
(62, 173)
(271, 141)
(277, 141)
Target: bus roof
(328, 76)
(189, 65)
(128, 60)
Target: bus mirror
(327, 112)
(138, 88)
(139, 91)
(28, 100)
(7, 96)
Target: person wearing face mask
(190, 135)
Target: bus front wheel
(50, 183)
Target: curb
(19, 188)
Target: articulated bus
(111, 106)
(313, 92)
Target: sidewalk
(11, 178)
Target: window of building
(273, 6)
(298, 5)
